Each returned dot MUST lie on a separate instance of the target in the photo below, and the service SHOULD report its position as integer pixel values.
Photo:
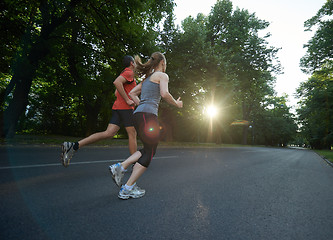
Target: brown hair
(148, 68)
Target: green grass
(56, 140)
(328, 154)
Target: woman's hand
(179, 103)
(134, 94)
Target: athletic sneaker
(117, 173)
(67, 153)
(136, 192)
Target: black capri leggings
(148, 129)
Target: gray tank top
(150, 97)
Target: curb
(328, 161)
(325, 159)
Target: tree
(217, 59)
(316, 109)
(40, 21)
(189, 60)
(246, 59)
(220, 59)
(319, 47)
(274, 124)
(83, 38)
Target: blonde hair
(148, 68)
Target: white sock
(122, 168)
(129, 188)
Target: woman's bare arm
(134, 94)
(164, 90)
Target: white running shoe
(117, 173)
(136, 192)
(67, 153)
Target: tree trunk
(167, 121)
(91, 112)
(26, 70)
(22, 80)
(245, 127)
(21, 83)
(16, 107)
(245, 133)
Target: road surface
(191, 193)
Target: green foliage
(316, 108)
(221, 60)
(71, 52)
(245, 59)
(328, 154)
(275, 124)
(319, 47)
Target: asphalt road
(212, 193)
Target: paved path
(213, 193)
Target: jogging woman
(146, 123)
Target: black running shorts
(124, 117)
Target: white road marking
(73, 163)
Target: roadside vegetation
(328, 154)
(60, 58)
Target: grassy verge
(328, 154)
(56, 140)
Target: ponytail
(146, 69)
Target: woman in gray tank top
(152, 89)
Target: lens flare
(240, 123)
(151, 131)
(211, 111)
